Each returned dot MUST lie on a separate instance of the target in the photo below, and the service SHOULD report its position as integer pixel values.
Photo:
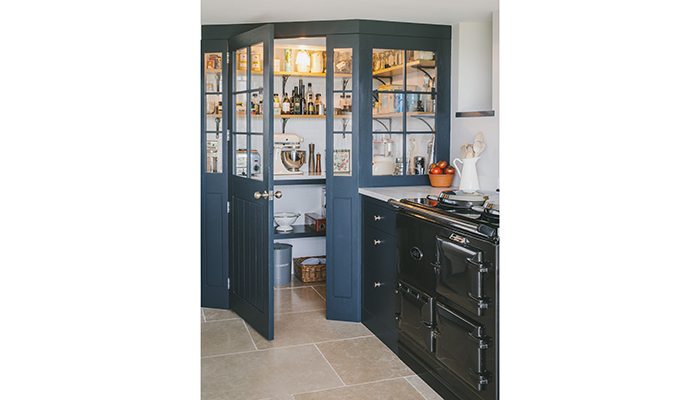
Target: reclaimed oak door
(251, 178)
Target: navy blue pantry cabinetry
(393, 66)
(379, 270)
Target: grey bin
(283, 263)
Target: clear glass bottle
(277, 105)
(286, 105)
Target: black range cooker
(447, 294)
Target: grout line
(225, 319)
(355, 384)
(249, 335)
(417, 390)
(288, 347)
(299, 312)
(319, 293)
(329, 364)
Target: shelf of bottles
(213, 89)
(403, 114)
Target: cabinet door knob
(378, 217)
(258, 195)
(378, 284)
(377, 242)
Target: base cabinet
(379, 270)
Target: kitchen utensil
(284, 220)
(312, 158)
(478, 148)
(469, 180)
(479, 137)
(288, 158)
(293, 159)
(470, 152)
(419, 163)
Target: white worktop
(401, 192)
(408, 192)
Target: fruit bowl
(441, 180)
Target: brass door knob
(258, 195)
(278, 194)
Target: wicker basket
(309, 273)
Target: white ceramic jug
(469, 179)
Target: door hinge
(228, 58)
(228, 135)
(228, 207)
(229, 283)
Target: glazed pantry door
(251, 174)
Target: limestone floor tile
(265, 374)
(308, 327)
(215, 314)
(363, 360)
(321, 289)
(394, 389)
(423, 388)
(224, 337)
(298, 299)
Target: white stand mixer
(288, 157)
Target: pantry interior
(384, 119)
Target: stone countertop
(408, 192)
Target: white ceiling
(421, 11)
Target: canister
(282, 263)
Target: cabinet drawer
(380, 252)
(380, 217)
(380, 298)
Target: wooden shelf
(311, 74)
(412, 114)
(398, 69)
(213, 70)
(300, 231)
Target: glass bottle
(319, 105)
(276, 105)
(310, 102)
(254, 104)
(286, 105)
(296, 110)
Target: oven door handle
(436, 267)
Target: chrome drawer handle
(378, 284)
(377, 242)
(378, 217)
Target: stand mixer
(288, 157)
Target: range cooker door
(416, 250)
(461, 272)
(415, 317)
(461, 346)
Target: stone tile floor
(311, 357)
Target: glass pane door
(213, 89)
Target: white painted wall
(475, 77)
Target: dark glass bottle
(311, 109)
(296, 101)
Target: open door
(251, 178)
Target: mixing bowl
(293, 159)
